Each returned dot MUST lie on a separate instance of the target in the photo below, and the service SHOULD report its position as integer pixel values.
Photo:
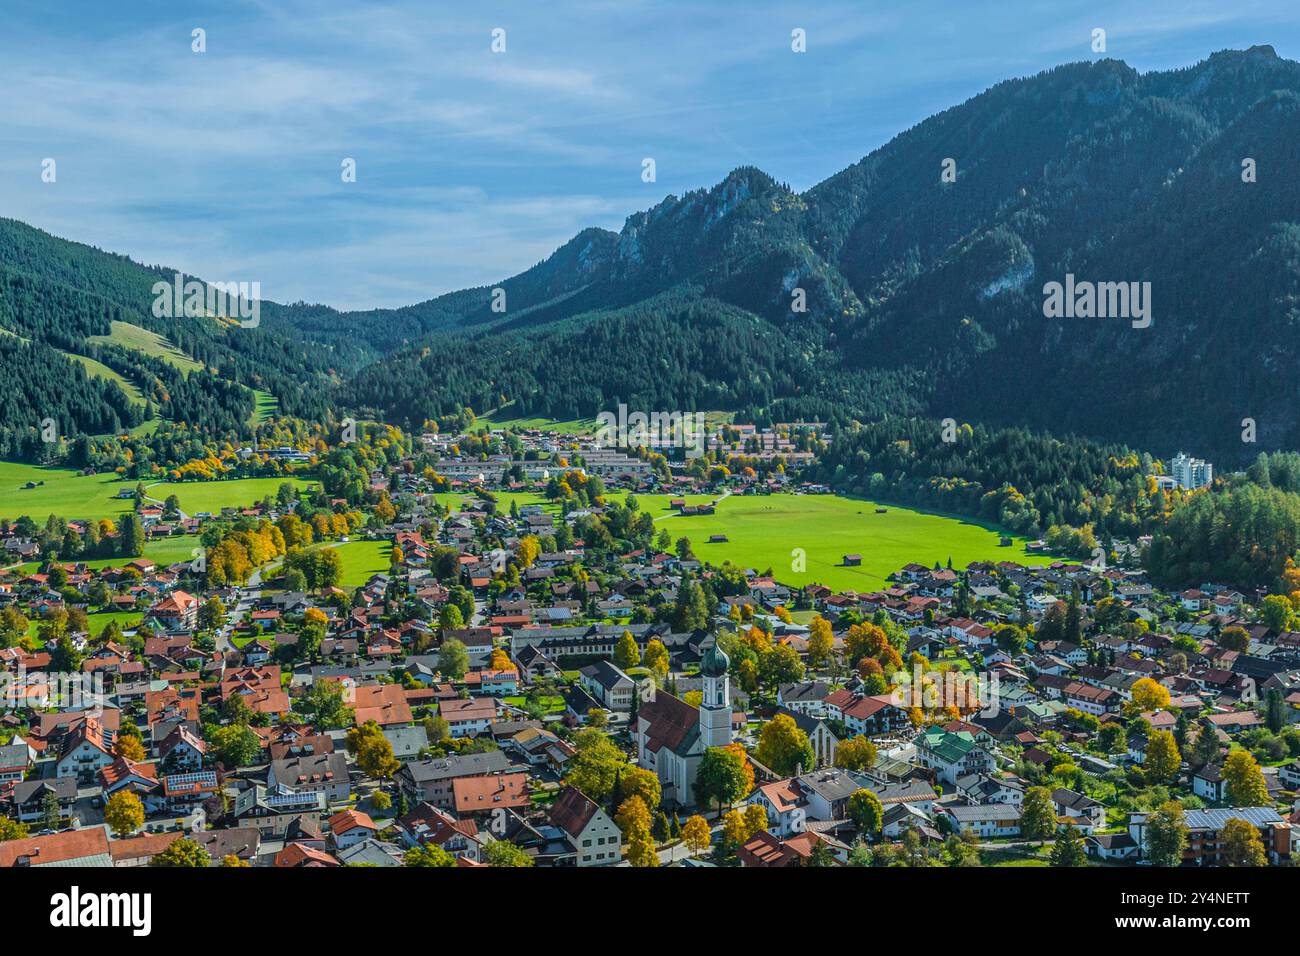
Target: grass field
(150, 343)
(97, 369)
(69, 494)
(267, 406)
(65, 492)
(504, 418)
(100, 620)
(360, 560)
(763, 530)
(212, 496)
(163, 552)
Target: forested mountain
(924, 298)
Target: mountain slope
(921, 297)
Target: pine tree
(1068, 848)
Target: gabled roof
(572, 811)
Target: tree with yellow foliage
(734, 829)
(527, 550)
(641, 849)
(1162, 760)
(637, 781)
(821, 641)
(696, 834)
(1149, 695)
(129, 748)
(124, 813)
(633, 815)
(656, 660)
(755, 821)
(856, 753)
(1245, 780)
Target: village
(519, 689)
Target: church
(671, 735)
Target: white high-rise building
(1191, 472)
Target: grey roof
(460, 765)
(831, 785)
(288, 770)
(369, 852)
(1073, 799)
(407, 740)
(605, 674)
(804, 690)
(64, 787)
(15, 755)
(916, 789)
(985, 811)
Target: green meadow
(763, 532)
(69, 494)
(62, 491)
(360, 560)
(212, 496)
(161, 552)
(143, 340)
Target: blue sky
(472, 165)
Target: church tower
(715, 708)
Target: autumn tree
(11, 829)
(821, 642)
(856, 753)
(1242, 844)
(755, 820)
(784, 747)
(129, 747)
(124, 813)
(632, 814)
(1234, 639)
(1163, 760)
(527, 550)
(626, 653)
(1245, 780)
(641, 849)
(656, 660)
(1149, 695)
(696, 834)
(637, 781)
